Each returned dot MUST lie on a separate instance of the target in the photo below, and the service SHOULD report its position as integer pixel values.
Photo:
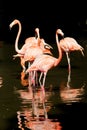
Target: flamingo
(69, 44)
(44, 63)
(28, 42)
(31, 41)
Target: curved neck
(38, 38)
(17, 38)
(59, 50)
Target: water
(66, 106)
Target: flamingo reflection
(34, 99)
(44, 125)
(33, 113)
(69, 94)
(38, 125)
(24, 79)
(1, 81)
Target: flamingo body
(43, 63)
(70, 44)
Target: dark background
(70, 16)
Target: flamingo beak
(10, 26)
(47, 46)
(62, 34)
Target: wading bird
(30, 42)
(69, 44)
(45, 62)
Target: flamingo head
(13, 23)
(59, 31)
(37, 33)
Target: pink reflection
(34, 109)
(32, 116)
(37, 108)
(44, 125)
(1, 81)
(24, 79)
(69, 94)
(37, 124)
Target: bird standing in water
(69, 44)
(31, 42)
(45, 62)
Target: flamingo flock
(37, 53)
(33, 46)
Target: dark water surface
(66, 106)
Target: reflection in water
(69, 94)
(24, 79)
(38, 125)
(33, 111)
(1, 81)
(43, 125)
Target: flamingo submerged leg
(45, 112)
(43, 88)
(69, 80)
(43, 92)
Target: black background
(47, 15)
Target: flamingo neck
(17, 38)
(59, 50)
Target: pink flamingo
(69, 44)
(44, 62)
(29, 42)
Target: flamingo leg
(44, 78)
(36, 78)
(40, 78)
(68, 59)
(42, 85)
(69, 79)
(31, 75)
(45, 73)
(45, 112)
